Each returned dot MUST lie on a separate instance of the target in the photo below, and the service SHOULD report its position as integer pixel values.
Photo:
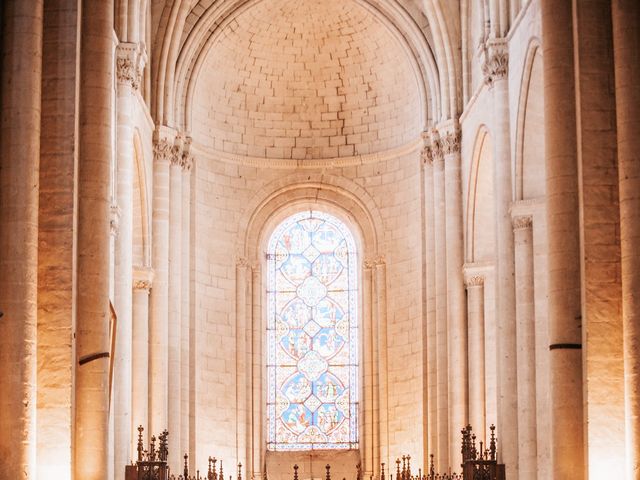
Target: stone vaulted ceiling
(306, 79)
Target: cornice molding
(289, 163)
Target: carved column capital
(522, 222)
(142, 285)
(186, 162)
(163, 150)
(496, 61)
(427, 155)
(176, 151)
(142, 278)
(114, 219)
(437, 155)
(129, 65)
(474, 281)
(450, 142)
(374, 262)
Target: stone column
(475, 315)
(442, 356)
(601, 296)
(381, 320)
(242, 272)
(456, 309)
(367, 442)
(626, 38)
(258, 330)
(567, 448)
(175, 309)
(57, 214)
(127, 76)
(495, 69)
(159, 300)
(21, 61)
(375, 367)
(142, 278)
(431, 380)
(526, 347)
(187, 162)
(94, 174)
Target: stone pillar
(367, 445)
(258, 329)
(431, 380)
(21, 62)
(175, 309)
(381, 320)
(526, 347)
(567, 451)
(57, 216)
(94, 173)
(242, 272)
(495, 69)
(456, 309)
(442, 356)
(159, 300)
(127, 76)
(142, 278)
(475, 316)
(626, 38)
(186, 385)
(375, 367)
(601, 297)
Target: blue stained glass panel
(312, 334)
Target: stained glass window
(312, 335)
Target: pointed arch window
(312, 334)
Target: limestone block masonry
(484, 154)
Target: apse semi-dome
(306, 79)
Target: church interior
(393, 238)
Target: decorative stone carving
(380, 260)
(522, 222)
(436, 149)
(369, 263)
(114, 220)
(142, 278)
(129, 65)
(242, 262)
(474, 281)
(496, 61)
(450, 142)
(187, 161)
(187, 157)
(176, 152)
(165, 151)
(142, 285)
(162, 150)
(427, 155)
